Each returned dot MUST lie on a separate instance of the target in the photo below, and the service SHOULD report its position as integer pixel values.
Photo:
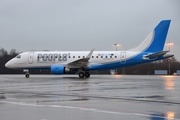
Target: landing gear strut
(84, 74)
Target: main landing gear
(84, 74)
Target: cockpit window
(18, 56)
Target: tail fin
(154, 42)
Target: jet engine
(58, 69)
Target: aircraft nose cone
(7, 65)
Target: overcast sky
(84, 24)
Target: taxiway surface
(100, 97)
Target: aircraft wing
(157, 54)
(81, 63)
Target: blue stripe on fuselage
(133, 61)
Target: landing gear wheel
(27, 75)
(87, 74)
(81, 75)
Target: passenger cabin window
(96, 56)
(19, 56)
(78, 56)
(101, 56)
(73, 56)
(92, 56)
(106, 56)
(115, 56)
(69, 56)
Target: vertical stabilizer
(154, 42)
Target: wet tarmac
(100, 97)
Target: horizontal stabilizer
(168, 56)
(157, 54)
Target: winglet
(81, 63)
(90, 53)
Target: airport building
(160, 72)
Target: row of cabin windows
(84, 56)
(96, 57)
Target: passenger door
(30, 57)
(123, 57)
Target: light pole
(116, 45)
(169, 44)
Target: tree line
(142, 69)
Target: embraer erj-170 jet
(81, 62)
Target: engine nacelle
(58, 69)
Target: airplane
(81, 62)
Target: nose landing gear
(26, 73)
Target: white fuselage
(45, 59)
